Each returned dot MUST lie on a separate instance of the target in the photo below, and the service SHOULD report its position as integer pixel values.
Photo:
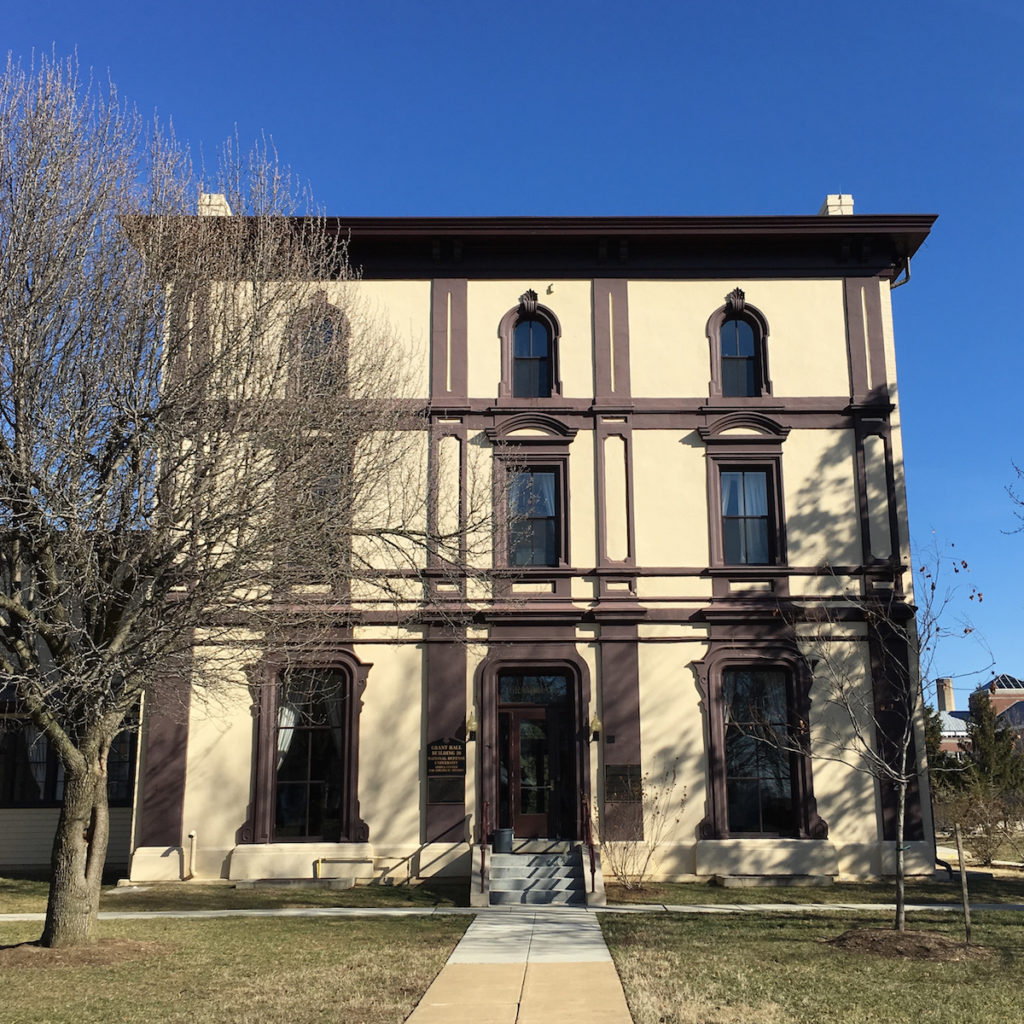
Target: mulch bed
(909, 945)
(102, 953)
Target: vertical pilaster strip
(448, 342)
(161, 800)
(610, 297)
(620, 713)
(856, 337)
(446, 719)
(875, 338)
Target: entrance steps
(545, 879)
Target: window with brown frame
(738, 335)
(307, 756)
(759, 754)
(31, 774)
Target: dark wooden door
(536, 776)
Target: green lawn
(299, 971)
(982, 890)
(712, 969)
(25, 896)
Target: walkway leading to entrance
(527, 967)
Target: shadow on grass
(23, 895)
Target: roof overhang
(563, 247)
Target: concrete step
(544, 897)
(537, 884)
(524, 871)
(537, 879)
(535, 860)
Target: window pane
(738, 378)
(516, 688)
(744, 806)
(543, 490)
(547, 543)
(732, 494)
(739, 359)
(755, 494)
(744, 338)
(756, 542)
(531, 360)
(732, 541)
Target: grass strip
(346, 971)
(983, 889)
(684, 969)
(27, 896)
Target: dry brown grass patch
(102, 953)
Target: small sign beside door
(446, 771)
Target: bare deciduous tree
(871, 652)
(203, 428)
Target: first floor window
(310, 747)
(746, 519)
(534, 518)
(759, 752)
(31, 774)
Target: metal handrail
(483, 850)
(588, 838)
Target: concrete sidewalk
(527, 966)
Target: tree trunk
(901, 887)
(79, 852)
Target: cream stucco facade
(712, 455)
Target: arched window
(738, 333)
(531, 360)
(320, 335)
(529, 350)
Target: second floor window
(531, 360)
(534, 518)
(746, 519)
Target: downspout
(192, 842)
(902, 268)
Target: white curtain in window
(543, 494)
(286, 719)
(756, 492)
(732, 494)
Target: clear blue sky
(742, 107)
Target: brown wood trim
(445, 668)
(767, 644)
(529, 308)
(164, 763)
(448, 341)
(451, 428)
(604, 428)
(265, 682)
(611, 341)
(553, 648)
(737, 307)
(875, 337)
(891, 676)
(856, 336)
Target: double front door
(536, 756)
